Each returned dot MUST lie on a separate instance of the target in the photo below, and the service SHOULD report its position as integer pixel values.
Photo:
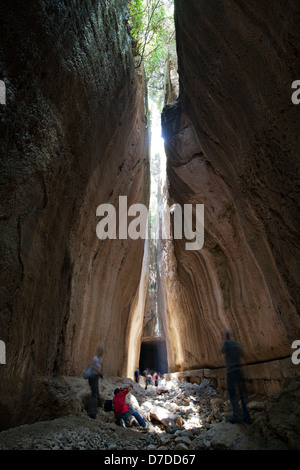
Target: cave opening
(153, 356)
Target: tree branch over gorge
(152, 28)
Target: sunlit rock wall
(232, 141)
(72, 137)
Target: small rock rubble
(180, 416)
(177, 414)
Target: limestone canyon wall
(73, 136)
(232, 143)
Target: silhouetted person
(148, 379)
(124, 411)
(145, 374)
(96, 365)
(235, 380)
(137, 375)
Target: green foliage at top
(152, 27)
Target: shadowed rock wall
(232, 142)
(73, 136)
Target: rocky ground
(181, 416)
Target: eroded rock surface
(73, 136)
(232, 144)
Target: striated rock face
(232, 143)
(73, 136)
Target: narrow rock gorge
(232, 144)
(75, 134)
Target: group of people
(123, 412)
(150, 378)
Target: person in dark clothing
(148, 379)
(96, 366)
(137, 375)
(235, 380)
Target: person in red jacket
(124, 411)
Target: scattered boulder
(256, 405)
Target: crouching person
(123, 411)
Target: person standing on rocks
(235, 380)
(96, 365)
(145, 374)
(124, 411)
(148, 379)
(137, 374)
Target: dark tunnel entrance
(153, 356)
